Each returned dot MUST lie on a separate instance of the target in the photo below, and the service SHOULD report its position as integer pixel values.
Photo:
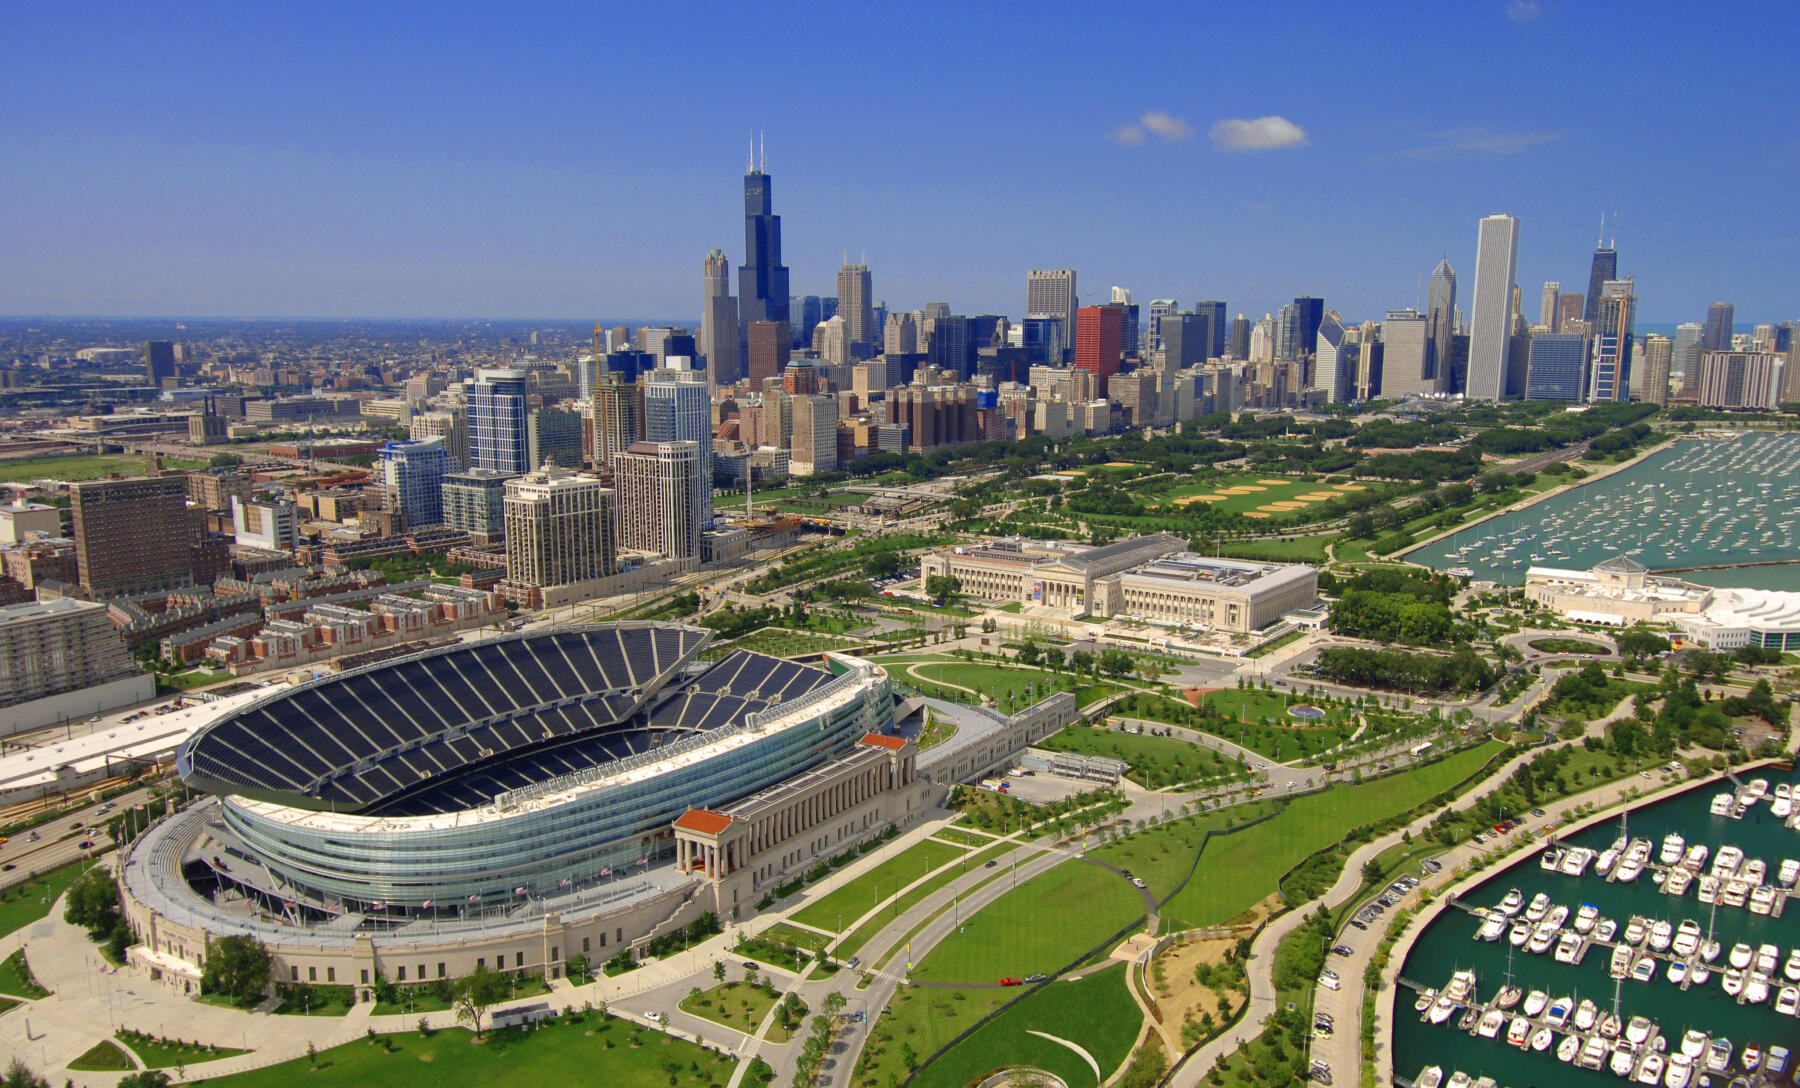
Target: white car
(654, 1017)
(1330, 982)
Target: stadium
(515, 800)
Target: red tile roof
(703, 821)
(881, 740)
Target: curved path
(1080, 1050)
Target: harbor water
(1700, 502)
(1449, 944)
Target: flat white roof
(149, 736)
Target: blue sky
(579, 161)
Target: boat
(1541, 937)
(1550, 859)
(1534, 1003)
(1693, 1043)
(1695, 858)
(1585, 1015)
(1661, 933)
(1432, 1076)
(1767, 956)
(1672, 846)
(1709, 889)
(1687, 938)
(1710, 949)
(1575, 862)
(1775, 1062)
(1458, 1079)
(1568, 1048)
(1726, 864)
(1757, 790)
(1784, 789)
(1680, 1071)
(1519, 933)
(1606, 929)
(1678, 882)
(1631, 866)
(1788, 873)
(1624, 1056)
(1650, 1071)
(1643, 969)
(1754, 871)
(1734, 983)
(1557, 916)
(1492, 928)
(1511, 904)
(1637, 1029)
(1585, 917)
(1787, 1001)
(1721, 804)
(1607, 859)
(1490, 1023)
(1678, 972)
(1541, 1038)
(1567, 947)
(1762, 900)
(1609, 1025)
(1791, 969)
(1441, 1009)
(1735, 893)
(1782, 807)
(1508, 997)
(1426, 997)
(1699, 975)
(1518, 1031)
(1718, 1055)
(1540, 906)
(1751, 1057)
(1741, 955)
(1558, 1013)
(1593, 1053)
(1621, 961)
(1756, 990)
(1467, 1022)
(1636, 930)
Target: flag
(427, 904)
(563, 883)
(606, 871)
(379, 904)
(476, 898)
(520, 890)
(643, 862)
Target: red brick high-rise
(767, 354)
(1099, 340)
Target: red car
(1010, 981)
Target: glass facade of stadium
(607, 826)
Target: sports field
(1258, 496)
(85, 466)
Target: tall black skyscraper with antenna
(762, 278)
(1606, 267)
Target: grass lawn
(800, 938)
(1009, 689)
(85, 466)
(1238, 717)
(937, 730)
(156, 1054)
(1156, 762)
(1255, 858)
(1041, 926)
(15, 977)
(1094, 1012)
(735, 1005)
(914, 1024)
(1270, 647)
(962, 837)
(413, 999)
(598, 1051)
(848, 946)
(104, 1057)
(317, 1001)
(193, 678)
(7, 1005)
(1306, 549)
(1568, 646)
(855, 898)
(1162, 856)
(26, 902)
(1255, 490)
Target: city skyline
(447, 184)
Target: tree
(143, 1078)
(237, 967)
(19, 1075)
(474, 994)
(718, 970)
(883, 564)
(93, 903)
(1640, 642)
(941, 586)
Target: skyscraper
(133, 535)
(856, 305)
(497, 413)
(676, 410)
(159, 361)
(1240, 337)
(452, 426)
(1440, 326)
(814, 447)
(1212, 312)
(1184, 340)
(559, 529)
(762, 278)
(1684, 357)
(1406, 353)
(1490, 336)
(719, 322)
(1605, 267)
(1150, 335)
(769, 348)
(618, 420)
(553, 434)
(1052, 292)
(1659, 354)
(1609, 378)
(1099, 338)
(1547, 310)
(413, 473)
(1334, 365)
(900, 337)
(661, 497)
(1716, 336)
(1569, 309)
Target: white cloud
(1470, 143)
(1171, 128)
(1523, 11)
(1166, 127)
(1256, 134)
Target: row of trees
(1462, 671)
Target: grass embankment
(850, 901)
(160, 1054)
(1007, 689)
(1156, 762)
(974, 862)
(29, 900)
(1039, 926)
(1093, 1012)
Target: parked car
(1036, 978)
(1011, 981)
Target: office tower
(1184, 340)
(64, 647)
(452, 426)
(1297, 328)
(1099, 338)
(1044, 340)
(1371, 360)
(618, 420)
(133, 535)
(554, 434)
(899, 337)
(719, 322)
(950, 346)
(806, 312)
(1334, 362)
(159, 361)
(1609, 378)
(1441, 319)
(1740, 379)
(1557, 367)
(801, 378)
(475, 502)
(1051, 292)
(1262, 340)
(1548, 314)
(856, 297)
(1716, 335)
(1684, 357)
(1570, 308)
(1659, 352)
(1240, 338)
(762, 278)
(650, 339)
(1129, 324)
(661, 497)
(413, 473)
(814, 446)
(559, 528)
(676, 409)
(1605, 267)
(768, 352)
(625, 365)
(1406, 355)
(497, 414)
(1151, 335)
(1212, 311)
(1496, 262)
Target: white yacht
(1539, 906)
(1550, 858)
(1678, 882)
(1695, 858)
(1678, 972)
(1735, 893)
(1693, 1043)
(1687, 938)
(1534, 1003)
(1567, 946)
(1568, 1048)
(1762, 900)
(1650, 1070)
(1788, 873)
(1606, 929)
(1511, 904)
(1718, 1055)
(1621, 961)
(1575, 862)
(1721, 804)
(1756, 990)
(1661, 933)
(1754, 871)
(1586, 1014)
(1740, 956)
(1490, 1024)
(1726, 864)
(1734, 982)
(1787, 1001)
(1672, 846)
(1636, 930)
(1519, 933)
(1709, 889)
(1791, 969)
(1585, 917)
(1643, 969)
(1680, 1072)
(1432, 1076)
(1542, 937)
(1767, 956)
(1541, 1039)
(1593, 1053)
(1558, 1013)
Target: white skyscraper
(1052, 292)
(677, 409)
(1490, 336)
(661, 499)
(1684, 360)
(718, 323)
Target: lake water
(1449, 944)
(1699, 502)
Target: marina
(1650, 948)
(1732, 504)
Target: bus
(1420, 749)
